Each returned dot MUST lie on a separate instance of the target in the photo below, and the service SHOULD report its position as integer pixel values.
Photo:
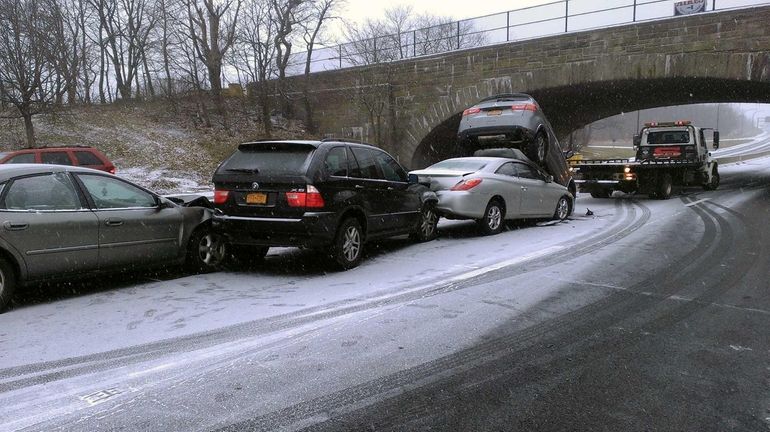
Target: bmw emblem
(255, 185)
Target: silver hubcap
(211, 249)
(494, 218)
(429, 220)
(351, 245)
(563, 209)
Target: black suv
(330, 195)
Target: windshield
(668, 137)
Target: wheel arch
(359, 214)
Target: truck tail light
(310, 198)
(220, 196)
(466, 184)
(524, 107)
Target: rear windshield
(270, 160)
(460, 165)
(668, 137)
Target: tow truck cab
(673, 141)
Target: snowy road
(646, 315)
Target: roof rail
(58, 146)
(505, 96)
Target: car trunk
(440, 179)
(258, 177)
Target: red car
(83, 156)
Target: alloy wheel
(211, 249)
(562, 209)
(429, 220)
(494, 218)
(351, 245)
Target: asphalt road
(649, 315)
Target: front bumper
(461, 204)
(311, 230)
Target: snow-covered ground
(116, 345)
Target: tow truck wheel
(664, 187)
(713, 184)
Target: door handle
(114, 222)
(15, 226)
(390, 188)
(359, 186)
(523, 188)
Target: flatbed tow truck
(667, 155)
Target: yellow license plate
(494, 112)
(256, 198)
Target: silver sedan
(493, 189)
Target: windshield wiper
(244, 170)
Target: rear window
(668, 137)
(460, 165)
(270, 160)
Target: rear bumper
(311, 230)
(515, 133)
(461, 204)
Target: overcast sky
(359, 10)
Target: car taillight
(467, 184)
(310, 198)
(220, 196)
(524, 107)
(471, 111)
(112, 170)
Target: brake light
(466, 184)
(471, 111)
(524, 107)
(310, 198)
(220, 196)
(111, 170)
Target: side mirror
(549, 179)
(164, 203)
(716, 140)
(637, 141)
(413, 179)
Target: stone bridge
(412, 108)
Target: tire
(563, 209)
(714, 183)
(7, 283)
(664, 187)
(247, 256)
(537, 150)
(427, 231)
(348, 246)
(604, 193)
(494, 217)
(206, 251)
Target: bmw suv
(329, 195)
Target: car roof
(14, 170)
(61, 147)
(313, 143)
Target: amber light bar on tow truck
(669, 124)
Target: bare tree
(320, 12)
(126, 25)
(26, 78)
(254, 54)
(212, 29)
(286, 13)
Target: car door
(511, 189)
(45, 218)
(372, 188)
(134, 229)
(403, 205)
(533, 187)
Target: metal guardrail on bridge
(556, 17)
